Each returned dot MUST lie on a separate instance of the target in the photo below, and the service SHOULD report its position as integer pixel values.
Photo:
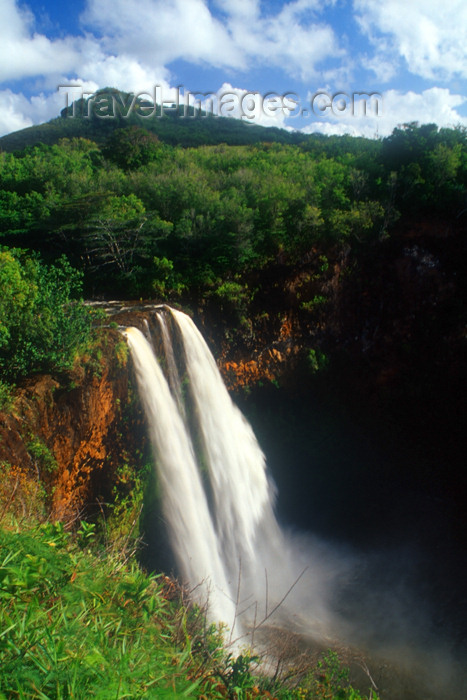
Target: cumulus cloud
(13, 110)
(436, 105)
(124, 72)
(18, 112)
(24, 53)
(431, 37)
(293, 39)
(160, 31)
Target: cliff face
(395, 313)
(380, 332)
(72, 432)
(385, 331)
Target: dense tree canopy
(140, 217)
(214, 212)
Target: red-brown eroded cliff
(69, 431)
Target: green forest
(139, 217)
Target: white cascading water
(243, 496)
(173, 374)
(228, 545)
(219, 503)
(186, 509)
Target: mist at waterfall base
(219, 505)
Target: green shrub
(122, 353)
(167, 281)
(232, 293)
(42, 455)
(42, 323)
(317, 360)
(6, 396)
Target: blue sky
(411, 53)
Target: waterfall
(217, 497)
(186, 509)
(172, 369)
(218, 503)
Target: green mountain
(113, 109)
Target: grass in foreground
(76, 623)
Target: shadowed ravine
(218, 502)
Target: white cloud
(124, 72)
(246, 10)
(18, 112)
(435, 105)
(24, 54)
(384, 69)
(81, 60)
(148, 35)
(161, 31)
(338, 129)
(12, 112)
(129, 44)
(249, 106)
(302, 49)
(16, 21)
(430, 35)
(292, 39)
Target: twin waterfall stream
(264, 584)
(217, 498)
